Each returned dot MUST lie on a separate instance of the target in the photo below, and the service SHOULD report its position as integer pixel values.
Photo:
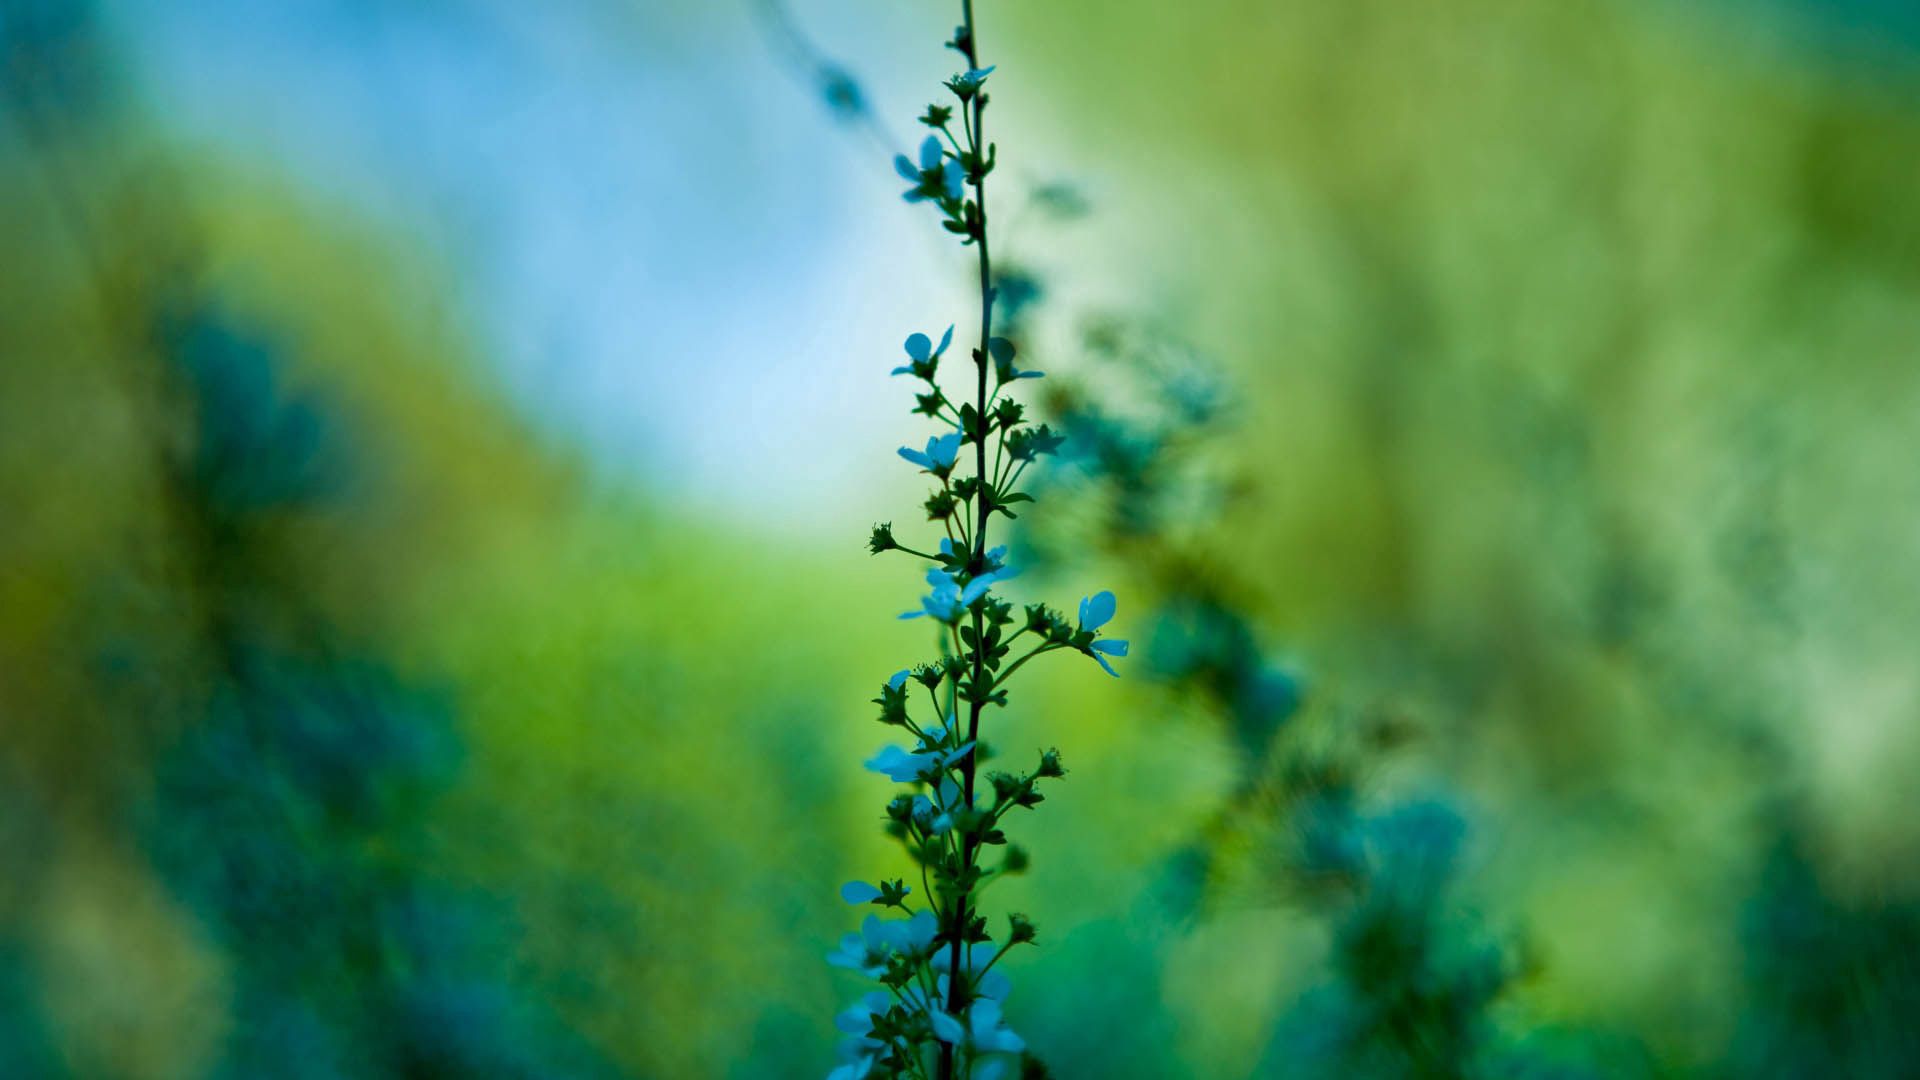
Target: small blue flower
(968, 83)
(857, 1018)
(948, 601)
(930, 155)
(868, 950)
(904, 767)
(900, 766)
(899, 679)
(989, 1033)
(1003, 354)
(941, 452)
(912, 936)
(920, 350)
(943, 603)
(1097, 610)
(856, 953)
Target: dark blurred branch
(837, 87)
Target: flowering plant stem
(976, 137)
(939, 1014)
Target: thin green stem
(1007, 672)
(976, 132)
(1015, 478)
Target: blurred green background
(437, 442)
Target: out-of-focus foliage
(1532, 693)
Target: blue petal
(904, 166)
(990, 1035)
(898, 765)
(1097, 610)
(919, 346)
(902, 370)
(911, 614)
(944, 449)
(850, 954)
(930, 153)
(946, 1028)
(854, 1019)
(1002, 1041)
(955, 179)
(1110, 646)
(859, 892)
(1104, 664)
(900, 677)
(1030, 375)
(946, 339)
(916, 457)
(920, 929)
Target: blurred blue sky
(672, 252)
